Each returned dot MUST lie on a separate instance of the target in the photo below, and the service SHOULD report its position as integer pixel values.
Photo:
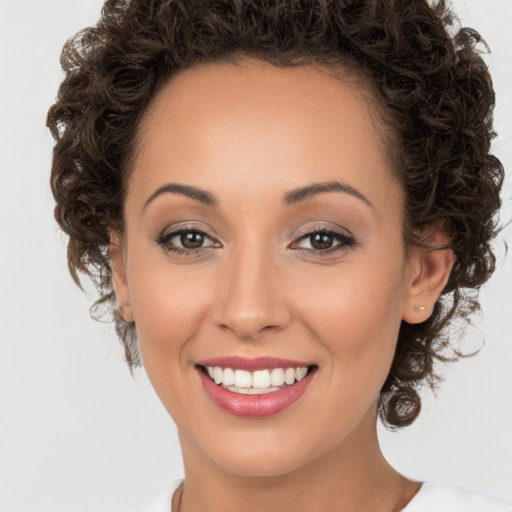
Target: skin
(247, 135)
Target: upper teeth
(260, 379)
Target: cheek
(356, 317)
(357, 322)
(169, 303)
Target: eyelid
(167, 234)
(344, 238)
(324, 228)
(177, 234)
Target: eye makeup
(186, 241)
(324, 241)
(190, 240)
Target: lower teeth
(252, 391)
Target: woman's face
(262, 221)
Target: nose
(251, 296)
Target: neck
(352, 476)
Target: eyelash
(164, 239)
(345, 241)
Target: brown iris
(192, 240)
(321, 241)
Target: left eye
(323, 241)
(318, 241)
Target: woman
(283, 205)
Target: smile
(248, 388)
(258, 382)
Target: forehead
(257, 127)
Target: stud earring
(419, 307)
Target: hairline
(343, 68)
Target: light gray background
(77, 433)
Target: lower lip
(254, 406)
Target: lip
(254, 406)
(253, 364)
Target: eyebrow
(187, 190)
(290, 198)
(303, 193)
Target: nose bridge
(251, 299)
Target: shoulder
(441, 497)
(432, 497)
(162, 501)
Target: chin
(261, 465)
(258, 452)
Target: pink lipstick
(263, 399)
(251, 365)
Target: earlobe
(429, 271)
(119, 281)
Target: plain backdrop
(77, 432)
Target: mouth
(257, 382)
(257, 387)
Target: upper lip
(253, 364)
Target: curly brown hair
(427, 75)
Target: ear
(427, 275)
(119, 280)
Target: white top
(440, 497)
(432, 497)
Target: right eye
(185, 240)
